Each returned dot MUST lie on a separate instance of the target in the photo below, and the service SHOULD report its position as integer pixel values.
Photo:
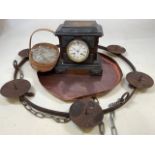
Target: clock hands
(82, 54)
(77, 51)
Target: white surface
(136, 117)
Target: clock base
(94, 68)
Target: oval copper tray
(68, 86)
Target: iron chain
(102, 128)
(43, 115)
(112, 123)
(15, 65)
(121, 101)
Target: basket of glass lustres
(43, 56)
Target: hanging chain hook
(17, 68)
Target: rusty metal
(90, 107)
(120, 56)
(116, 105)
(15, 88)
(24, 99)
(17, 68)
(41, 113)
(86, 113)
(128, 62)
(112, 121)
(24, 53)
(139, 80)
(101, 128)
(116, 49)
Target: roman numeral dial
(77, 51)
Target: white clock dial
(77, 51)
(44, 55)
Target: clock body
(78, 42)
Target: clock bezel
(68, 46)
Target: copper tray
(69, 86)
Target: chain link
(101, 128)
(113, 126)
(112, 123)
(124, 97)
(15, 65)
(21, 74)
(43, 115)
(95, 99)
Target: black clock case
(89, 32)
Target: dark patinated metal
(77, 116)
(139, 80)
(116, 49)
(66, 114)
(89, 32)
(15, 88)
(86, 113)
(24, 53)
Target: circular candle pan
(86, 113)
(116, 49)
(139, 80)
(24, 53)
(15, 88)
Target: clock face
(77, 51)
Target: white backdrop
(136, 117)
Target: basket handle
(42, 29)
